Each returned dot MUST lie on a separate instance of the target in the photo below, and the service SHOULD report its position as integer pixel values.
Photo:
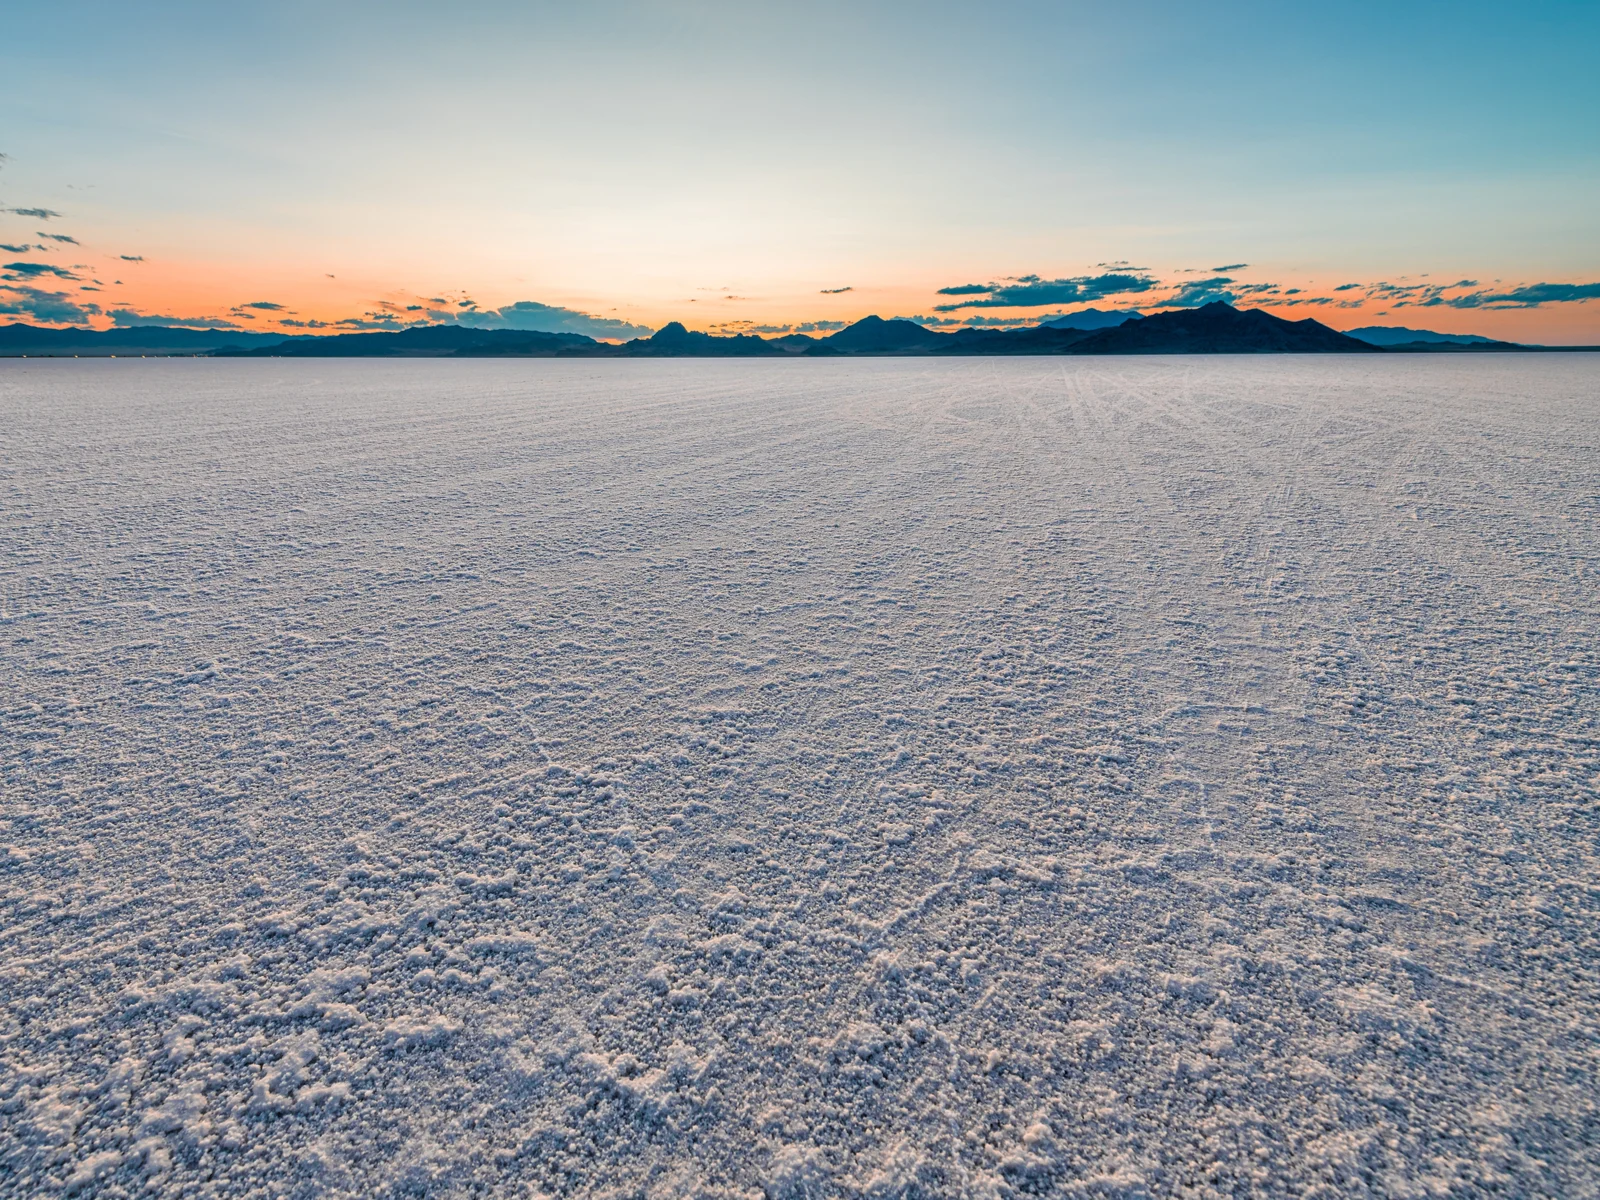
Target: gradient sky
(733, 165)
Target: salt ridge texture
(889, 778)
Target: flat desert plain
(890, 778)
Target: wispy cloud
(1531, 295)
(978, 322)
(1198, 292)
(127, 318)
(1230, 267)
(534, 317)
(131, 257)
(33, 270)
(836, 291)
(1033, 291)
(53, 308)
(931, 322)
(372, 322)
(263, 305)
(38, 214)
(60, 237)
(9, 249)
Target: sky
(607, 167)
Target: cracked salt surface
(881, 778)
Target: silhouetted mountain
(1399, 335)
(1091, 318)
(674, 341)
(425, 341)
(1041, 339)
(32, 340)
(1466, 347)
(1420, 341)
(1215, 329)
(874, 335)
(1219, 328)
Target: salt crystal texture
(1115, 777)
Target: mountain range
(1398, 337)
(1216, 328)
(159, 340)
(1093, 318)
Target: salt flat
(881, 778)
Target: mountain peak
(874, 335)
(1092, 318)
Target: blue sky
(727, 164)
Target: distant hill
(1215, 329)
(674, 341)
(426, 341)
(1041, 339)
(1219, 328)
(874, 335)
(35, 341)
(1091, 318)
(1399, 335)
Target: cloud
(1345, 287)
(372, 321)
(54, 308)
(22, 249)
(131, 257)
(836, 291)
(1198, 292)
(39, 214)
(31, 270)
(820, 326)
(534, 317)
(1031, 291)
(61, 237)
(1230, 267)
(931, 322)
(126, 318)
(1529, 296)
(294, 324)
(263, 305)
(1434, 295)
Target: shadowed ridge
(424, 341)
(674, 340)
(36, 340)
(1219, 328)
(1398, 337)
(874, 335)
(1092, 318)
